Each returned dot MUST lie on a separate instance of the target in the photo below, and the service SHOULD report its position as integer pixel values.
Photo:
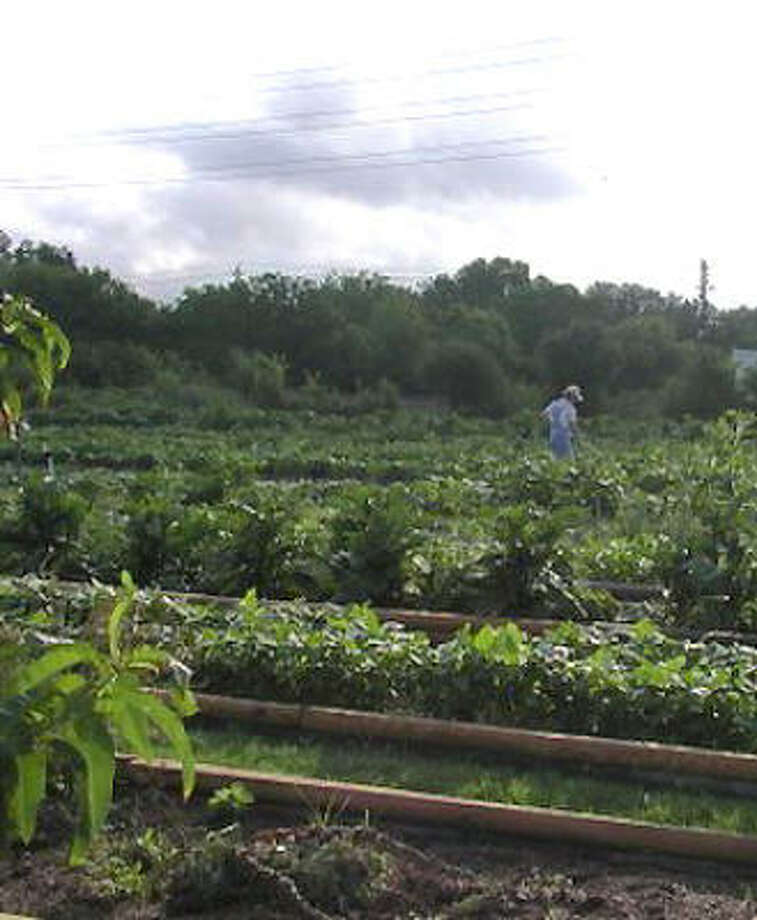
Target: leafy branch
(32, 349)
(77, 698)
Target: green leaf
(183, 701)
(28, 792)
(130, 721)
(12, 404)
(147, 658)
(644, 630)
(171, 726)
(511, 647)
(483, 641)
(69, 683)
(122, 606)
(52, 662)
(89, 738)
(34, 344)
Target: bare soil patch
(160, 859)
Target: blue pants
(561, 444)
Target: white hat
(573, 392)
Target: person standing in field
(563, 422)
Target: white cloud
(646, 110)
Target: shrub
(50, 520)
(524, 558)
(469, 376)
(371, 540)
(260, 377)
(148, 532)
(268, 550)
(705, 387)
(115, 364)
(75, 697)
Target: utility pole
(704, 285)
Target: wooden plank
(441, 625)
(644, 755)
(407, 806)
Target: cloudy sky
(173, 142)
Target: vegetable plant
(74, 698)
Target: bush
(469, 376)
(524, 560)
(371, 540)
(705, 387)
(260, 377)
(50, 521)
(268, 549)
(118, 364)
(148, 533)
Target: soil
(161, 859)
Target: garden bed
(160, 859)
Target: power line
(9, 181)
(366, 80)
(303, 129)
(258, 126)
(272, 174)
(495, 49)
(12, 181)
(201, 126)
(372, 155)
(443, 71)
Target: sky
(175, 143)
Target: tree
(483, 284)
(89, 303)
(468, 375)
(623, 301)
(77, 698)
(542, 309)
(646, 352)
(706, 385)
(579, 352)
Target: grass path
(474, 776)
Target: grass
(473, 775)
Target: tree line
(489, 338)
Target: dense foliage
(488, 338)
(640, 684)
(64, 705)
(626, 682)
(431, 510)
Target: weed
(228, 802)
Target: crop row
(479, 524)
(641, 685)
(410, 545)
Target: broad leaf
(121, 608)
(171, 726)
(89, 738)
(56, 659)
(28, 792)
(131, 722)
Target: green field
(406, 508)
(411, 508)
